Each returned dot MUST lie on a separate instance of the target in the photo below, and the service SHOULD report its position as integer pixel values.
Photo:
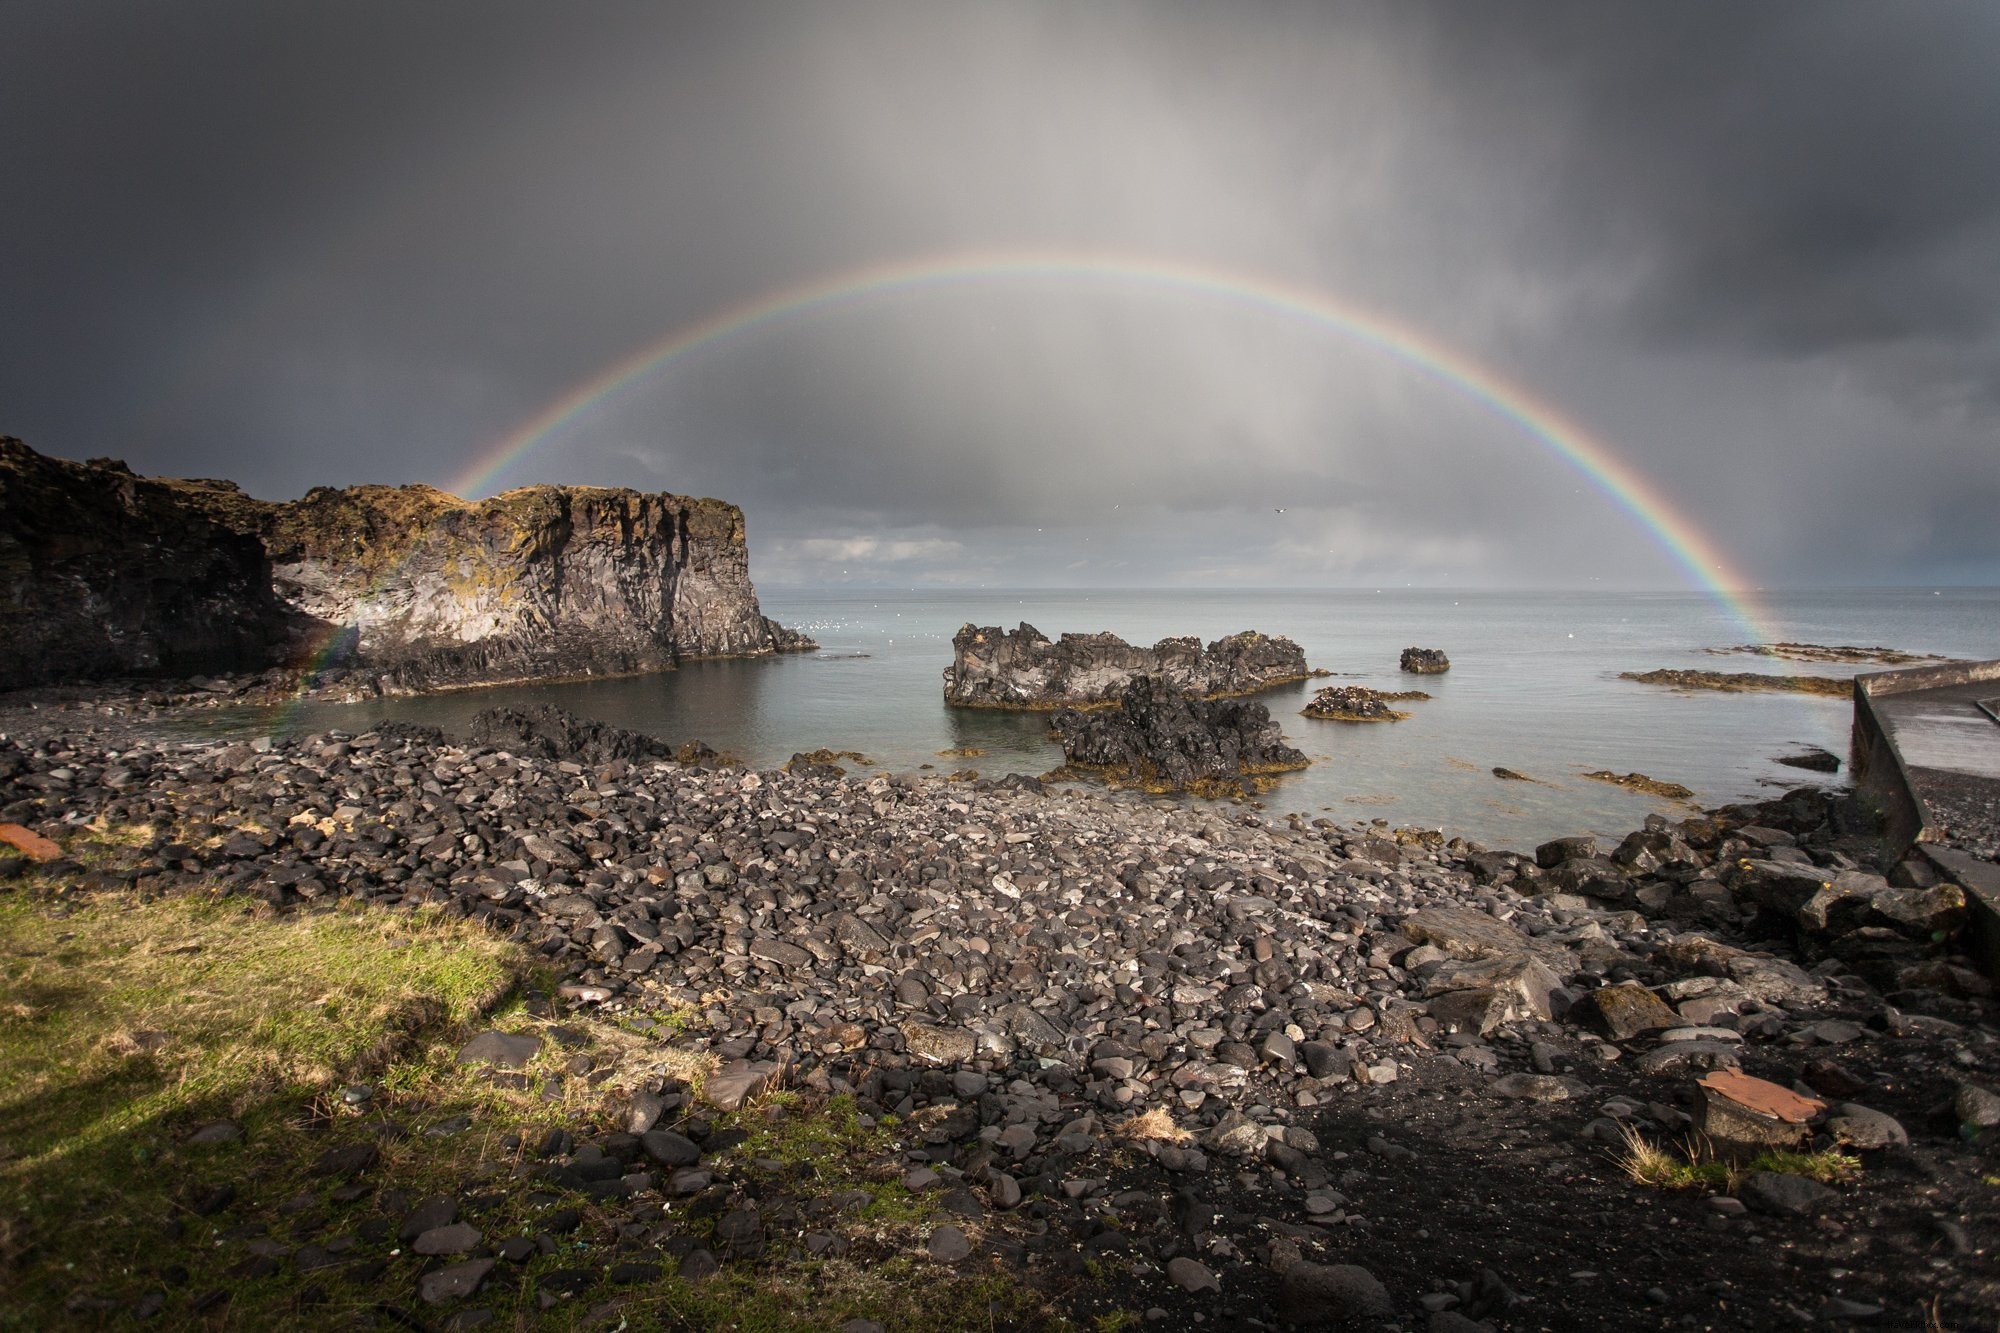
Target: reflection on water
(1533, 687)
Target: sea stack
(1425, 661)
(1022, 668)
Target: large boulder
(1162, 740)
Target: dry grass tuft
(1154, 1125)
(1699, 1167)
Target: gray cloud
(1748, 247)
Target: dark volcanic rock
(1814, 760)
(1352, 703)
(1167, 741)
(103, 573)
(1425, 661)
(106, 573)
(1021, 668)
(549, 732)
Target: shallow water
(1533, 687)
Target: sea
(1534, 687)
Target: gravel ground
(1393, 1082)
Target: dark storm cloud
(1749, 246)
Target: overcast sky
(1754, 249)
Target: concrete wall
(1873, 758)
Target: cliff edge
(103, 573)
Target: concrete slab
(1945, 728)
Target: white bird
(1277, 511)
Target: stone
(437, 1211)
(697, 1265)
(1467, 933)
(1322, 1295)
(1326, 1060)
(948, 1245)
(668, 1148)
(220, 1131)
(994, 667)
(456, 1238)
(736, 1082)
(1534, 1087)
(455, 1282)
(1784, 1195)
(1424, 661)
(1190, 1276)
(348, 1161)
(942, 1046)
(1624, 1011)
(1686, 1055)
(645, 1111)
(1862, 1127)
(1743, 1114)
(1162, 740)
(1976, 1107)
(503, 1050)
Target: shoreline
(1322, 1013)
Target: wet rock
(1424, 661)
(1352, 703)
(1162, 740)
(1020, 668)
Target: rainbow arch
(1688, 546)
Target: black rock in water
(549, 732)
(1815, 760)
(1425, 661)
(1163, 740)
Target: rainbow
(1412, 347)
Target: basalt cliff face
(405, 588)
(1021, 668)
(103, 573)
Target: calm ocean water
(1533, 687)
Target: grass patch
(1698, 1166)
(127, 1024)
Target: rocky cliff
(103, 573)
(409, 586)
(1021, 668)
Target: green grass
(126, 1024)
(1698, 1166)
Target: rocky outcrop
(407, 586)
(103, 573)
(549, 732)
(1021, 668)
(1162, 740)
(1357, 703)
(1733, 682)
(1425, 661)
